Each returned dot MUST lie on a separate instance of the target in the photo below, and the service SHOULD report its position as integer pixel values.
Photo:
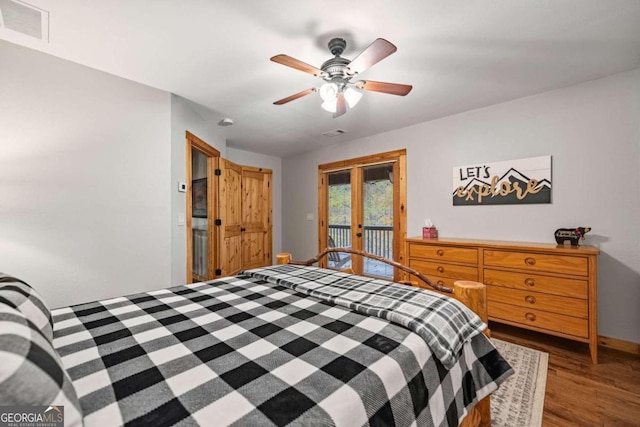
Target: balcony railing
(378, 239)
(341, 235)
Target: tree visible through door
(362, 206)
(377, 217)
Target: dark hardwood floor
(579, 393)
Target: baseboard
(618, 344)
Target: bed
(281, 345)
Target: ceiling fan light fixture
(337, 90)
(328, 91)
(330, 105)
(352, 96)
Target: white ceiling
(458, 55)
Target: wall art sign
(518, 181)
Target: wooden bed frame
(471, 294)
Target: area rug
(519, 401)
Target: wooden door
(362, 205)
(230, 218)
(256, 217)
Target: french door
(362, 206)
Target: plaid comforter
(244, 351)
(444, 323)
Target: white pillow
(31, 372)
(19, 295)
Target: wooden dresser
(542, 287)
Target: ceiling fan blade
(384, 87)
(294, 97)
(298, 65)
(374, 53)
(341, 105)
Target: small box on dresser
(429, 233)
(542, 287)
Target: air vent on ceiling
(336, 132)
(24, 18)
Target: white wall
(89, 171)
(84, 171)
(592, 131)
(202, 122)
(247, 158)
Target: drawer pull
(440, 282)
(530, 316)
(530, 261)
(529, 282)
(440, 269)
(530, 299)
(440, 252)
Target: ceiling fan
(338, 91)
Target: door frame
(399, 160)
(193, 142)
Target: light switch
(180, 219)
(309, 217)
(182, 187)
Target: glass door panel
(362, 206)
(377, 201)
(339, 217)
(199, 220)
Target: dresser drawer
(443, 270)
(539, 319)
(441, 282)
(537, 301)
(537, 262)
(437, 280)
(536, 282)
(444, 253)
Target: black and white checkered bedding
(243, 351)
(444, 323)
(19, 295)
(31, 373)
